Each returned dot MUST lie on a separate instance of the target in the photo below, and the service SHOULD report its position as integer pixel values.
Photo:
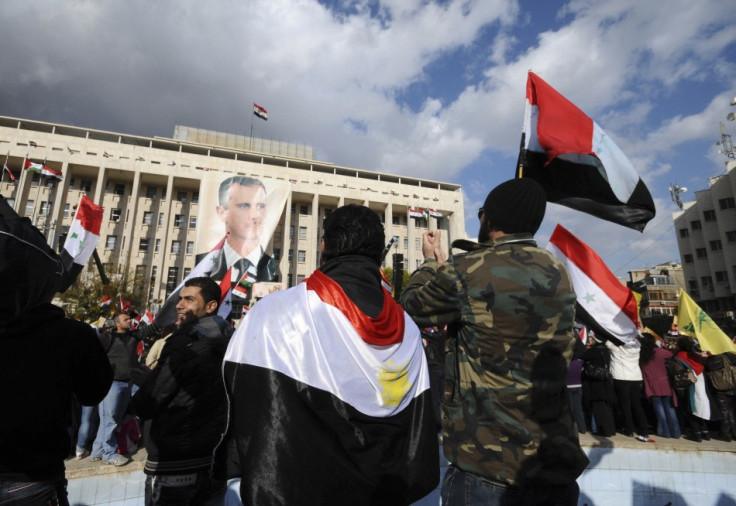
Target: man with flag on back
(328, 385)
(508, 431)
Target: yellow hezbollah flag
(694, 322)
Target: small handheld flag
(81, 240)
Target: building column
(312, 261)
(57, 215)
(411, 233)
(285, 268)
(130, 225)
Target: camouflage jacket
(510, 309)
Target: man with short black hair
(121, 345)
(183, 403)
(509, 306)
(328, 384)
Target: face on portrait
(243, 217)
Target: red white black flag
(577, 163)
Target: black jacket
(183, 402)
(45, 359)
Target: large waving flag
(306, 361)
(42, 169)
(694, 322)
(603, 303)
(577, 163)
(81, 240)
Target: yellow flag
(694, 322)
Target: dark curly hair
(353, 230)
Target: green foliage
(82, 299)
(390, 275)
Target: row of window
(707, 281)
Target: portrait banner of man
(237, 218)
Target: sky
(423, 88)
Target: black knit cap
(516, 206)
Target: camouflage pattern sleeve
(432, 296)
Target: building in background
(659, 287)
(150, 187)
(706, 239)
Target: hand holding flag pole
(577, 163)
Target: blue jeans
(90, 419)
(112, 410)
(464, 489)
(667, 424)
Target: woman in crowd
(692, 398)
(657, 386)
(598, 386)
(627, 381)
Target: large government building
(152, 191)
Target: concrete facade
(150, 188)
(706, 239)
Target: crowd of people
(653, 385)
(327, 393)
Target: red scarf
(384, 330)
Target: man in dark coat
(183, 403)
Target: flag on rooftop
(260, 111)
(42, 169)
(694, 322)
(603, 303)
(577, 163)
(81, 240)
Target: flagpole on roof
(250, 142)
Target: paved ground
(85, 467)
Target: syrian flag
(81, 240)
(7, 170)
(359, 387)
(147, 318)
(415, 213)
(42, 169)
(577, 163)
(603, 303)
(260, 111)
(105, 301)
(434, 214)
(124, 305)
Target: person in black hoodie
(46, 358)
(182, 401)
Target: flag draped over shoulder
(694, 322)
(603, 303)
(42, 169)
(81, 240)
(341, 420)
(577, 163)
